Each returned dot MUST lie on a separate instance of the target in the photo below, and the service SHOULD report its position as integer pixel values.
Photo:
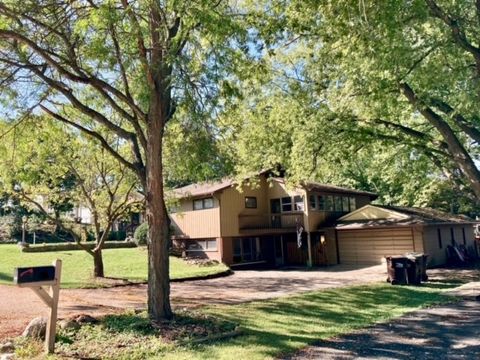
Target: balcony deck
(273, 223)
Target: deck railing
(272, 221)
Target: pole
(52, 320)
(309, 243)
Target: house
(260, 220)
(368, 234)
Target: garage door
(371, 246)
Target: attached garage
(368, 246)
(369, 234)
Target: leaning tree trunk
(98, 270)
(158, 262)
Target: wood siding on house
(437, 255)
(189, 223)
(233, 206)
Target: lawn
(271, 328)
(77, 265)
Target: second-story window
(200, 204)
(321, 202)
(298, 203)
(329, 203)
(313, 202)
(353, 203)
(250, 202)
(338, 203)
(286, 204)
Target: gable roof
(211, 187)
(315, 186)
(382, 215)
(202, 189)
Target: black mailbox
(34, 274)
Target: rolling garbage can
(419, 262)
(397, 269)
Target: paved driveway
(446, 332)
(18, 306)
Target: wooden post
(49, 298)
(52, 320)
(309, 243)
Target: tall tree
(401, 72)
(126, 66)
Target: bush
(10, 227)
(117, 235)
(141, 234)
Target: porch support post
(309, 243)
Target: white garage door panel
(371, 246)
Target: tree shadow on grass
(6, 277)
(283, 325)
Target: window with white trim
(286, 204)
(201, 204)
(202, 245)
(298, 203)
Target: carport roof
(382, 215)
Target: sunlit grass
(77, 268)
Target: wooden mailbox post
(36, 278)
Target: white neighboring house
(79, 213)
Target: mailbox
(34, 274)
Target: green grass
(271, 328)
(77, 265)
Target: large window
(246, 250)
(200, 204)
(345, 204)
(202, 245)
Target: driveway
(446, 332)
(18, 306)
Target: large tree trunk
(98, 264)
(158, 262)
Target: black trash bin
(397, 269)
(418, 272)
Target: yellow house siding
(232, 202)
(195, 224)
(437, 255)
